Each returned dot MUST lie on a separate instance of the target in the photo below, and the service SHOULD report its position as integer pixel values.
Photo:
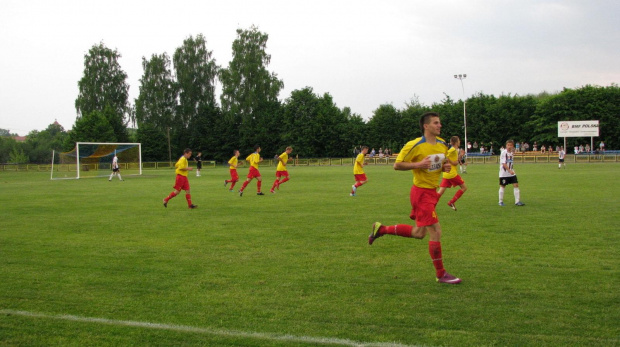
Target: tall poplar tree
(104, 85)
(249, 90)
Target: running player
(234, 177)
(358, 170)
(253, 159)
(425, 157)
(281, 170)
(507, 174)
(181, 182)
(452, 178)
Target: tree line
(177, 108)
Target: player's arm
(406, 166)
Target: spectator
(381, 152)
(576, 150)
(535, 146)
(602, 146)
(543, 149)
(580, 148)
(475, 145)
(526, 147)
(468, 146)
(518, 146)
(587, 148)
(372, 153)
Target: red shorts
(360, 178)
(423, 201)
(452, 182)
(181, 183)
(281, 173)
(253, 172)
(234, 176)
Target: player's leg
(188, 197)
(517, 193)
(440, 192)
(259, 183)
(245, 184)
(501, 193)
(118, 173)
(275, 183)
(111, 175)
(434, 249)
(458, 194)
(174, 193)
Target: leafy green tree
(6, 132)
(42, 143)
(93, 127)
(247, 85)
(154, 142)
(104, 85)
(17, 156)
(6, 146)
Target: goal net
(94, 159)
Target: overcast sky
(364, 53)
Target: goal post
(94, 159)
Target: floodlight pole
(462, 77)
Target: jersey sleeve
(407, 152)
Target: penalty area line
(205, 331)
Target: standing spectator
(543, 149)
(557, 148)
(507, 174)
(580, 148)
(561, 155)
(535, 146)
(576, 150)
(587, 148)
(475, 145)
(181, 182)
(491, 150)
(518, 146)
(602, 146)
(372, 153)
(381, 152)
(425, 158)
(468, 146)
(526, 147)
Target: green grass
(296, 265)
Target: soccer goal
(94, 159)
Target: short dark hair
(426, 119)
(364, 147)
(453, 139)
(510, 141)
(187, 150)
(256, 147)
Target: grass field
(91, 262)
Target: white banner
(584, 128)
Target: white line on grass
(206, 331)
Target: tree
(154, 142)
(247, 86)
(42, 143)
(104, 85)
(93, 127)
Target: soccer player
(507, 174)
(253, 159)
(462, 161)
(181, 182)
(425, 157)
(234, 177)
(561, 155)
(198, 160)
(116, 171)
(281, 170)
(358, 170)
(452, 178)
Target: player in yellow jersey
(281, 170)
(253, 159)
(181, 182)
(234, 176)
(358, 170)
(425, 157)
(452, 178)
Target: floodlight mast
(462, 77)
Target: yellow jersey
(418, 149)
(253, 159)
(282, 164)
(181, 164)
(358, 168)
(452, 156)
(233, 163)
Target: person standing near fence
(281, 170)
(253, 159)
(234, 176)
(452, 178)
(561, 155)
(116, 170)
(181, 182)
(507, 174)
(425, 157)
(198, 160)
(358, 171)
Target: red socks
(258, 184)
(275, 184)
(403, 230)
(172, 195)
(457, 196)
(434, 248)
(357, 184)
(188, 197)
(245, 184)
(232, 185)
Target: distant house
(20, 138)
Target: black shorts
(561, 160)
(115, 169)
(462, 161)
(198, 165)
(504, 181)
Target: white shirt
(115, 163)
(561, 154)
(505, 158)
